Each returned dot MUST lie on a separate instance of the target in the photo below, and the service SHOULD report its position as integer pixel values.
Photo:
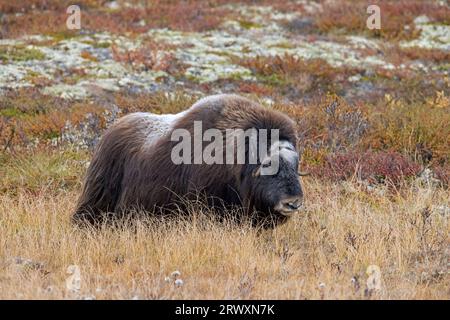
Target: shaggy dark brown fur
(132, 168)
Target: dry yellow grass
(342, 231)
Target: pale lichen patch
(432, 36)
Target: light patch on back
(157, 125)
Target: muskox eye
(267, 164)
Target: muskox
(133, 167)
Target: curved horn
(304, 174)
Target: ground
(372, 109)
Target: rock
(374, 281)
(178, 283)
(427, 178)
(113, 5)
(30, 265)
(443, 210)
(73, 282)
(355, 78)
(423, 19)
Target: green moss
(246, 50)
(58, 169)
(222, 54)
(443, 67)
(50, 135)
(98, 45)
(236, 76)
(103, 45)
(11, 112)
(63, 35)
(75, 78)
(248, 24)
(283, 45)
(20, 54)
(32, 74)
(273, 80)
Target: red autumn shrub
(375, 167)
(442, 173)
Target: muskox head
(273, 185)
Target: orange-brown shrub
(396, 17)
(291, 73)
(400, 137)
(158, 102)
(255, 88)
(50, 16)
(7, 6)
(433, 55)
(329, 122)
(417, 129)
(150, 56)
(400, 55)
(27, 115)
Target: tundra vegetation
(373, 115)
